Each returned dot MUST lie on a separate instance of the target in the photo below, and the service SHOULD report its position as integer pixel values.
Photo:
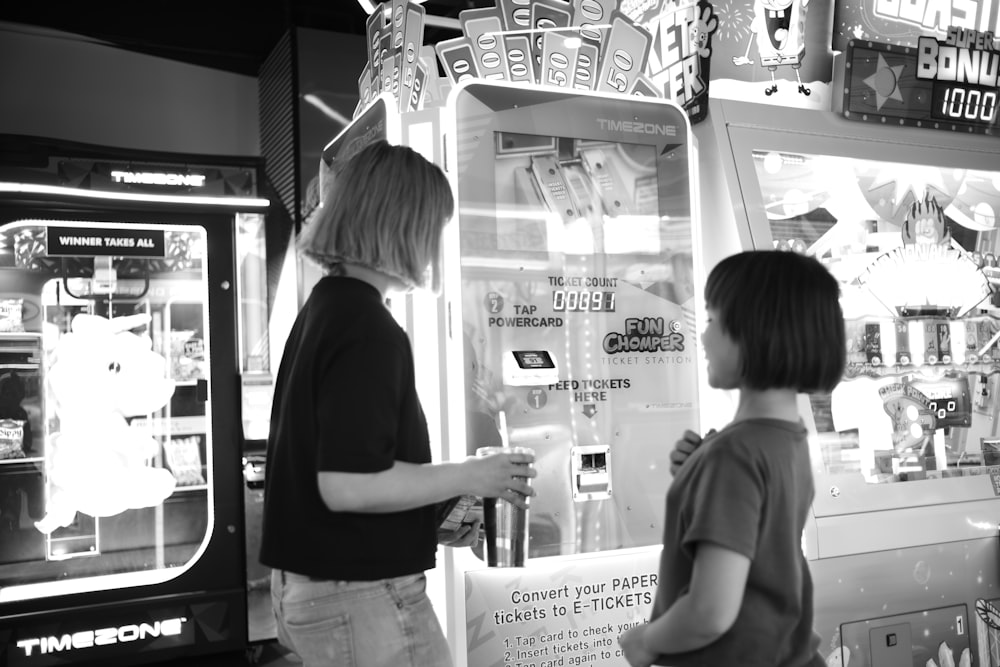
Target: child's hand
(684, 447)
(635, 653)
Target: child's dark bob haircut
(783, 310)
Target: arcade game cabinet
(121, 537)
(571, 313)
(903, 540)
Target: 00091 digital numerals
(583, 301)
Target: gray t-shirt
(748, 488)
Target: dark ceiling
(230, 35)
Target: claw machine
(897, 191)
(121, 536)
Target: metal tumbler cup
(506, 524)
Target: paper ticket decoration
(657, 48)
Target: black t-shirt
(345, 400)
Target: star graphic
(885, 82)
(909, 183)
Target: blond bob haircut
(384, 209)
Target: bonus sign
(963, 70)
(950, 84)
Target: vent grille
(278, 127)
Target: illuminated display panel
(575, 238)
(577, 197)
(115, 481)
(583, 300)
(936, 85)
(531, 359)
(964, 103)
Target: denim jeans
(385, 623)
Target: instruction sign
(560, 613)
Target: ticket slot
(591, 472)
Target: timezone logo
(157, 178)
(636, 127)
(85, 639)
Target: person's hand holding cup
(505, 508)
(504, 473)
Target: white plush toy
(98, 464)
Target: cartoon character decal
(779, 29)
(701, 31)
(913, 424)
(924, 225)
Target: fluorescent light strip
(234, 202)
(442, 22)
(369, 5)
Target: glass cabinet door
(916, 255)
(909, 230)
(575, 255)
(105, 437)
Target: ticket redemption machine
(569, 327)
(902, 542)
(121, 286)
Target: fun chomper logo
(646, 334)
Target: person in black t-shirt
(349, 524)
(734, 587)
